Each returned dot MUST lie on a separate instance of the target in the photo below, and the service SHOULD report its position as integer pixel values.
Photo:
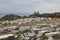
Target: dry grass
(34, 23)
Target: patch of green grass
(43, 37)
(18, 35)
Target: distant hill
(16, 13)
(35, 14)
(10, 17)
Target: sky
(29, 6)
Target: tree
(36, 14)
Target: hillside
(35, 14)
(10, 17)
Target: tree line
(52, 15)
(35, 14)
